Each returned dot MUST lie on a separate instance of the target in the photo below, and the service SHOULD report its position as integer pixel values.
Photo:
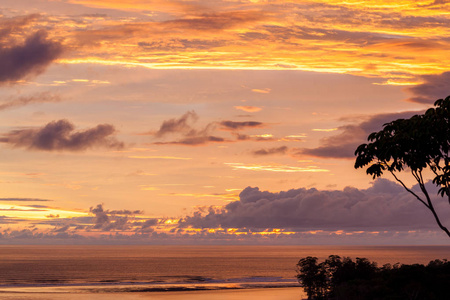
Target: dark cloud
(110, 220)
(433, 87)
(44, 97)
(38, 206)
(30, 235)
(180, 125)
(191, 136)
(231, 125)
(52, 216)
(62, 229)
(101, 217)
(271, 151)
(101, 220)
(60, 136)
(195, 141)
(384, 206)
(125, 212)
(257, 138)
(24, 199)
(149, 223)
(19, 61)
(344, 144)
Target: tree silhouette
(345, 279)
(419, 143)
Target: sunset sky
(220, 121)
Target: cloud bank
(384, 206)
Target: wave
(192, 283)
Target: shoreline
(39, 293)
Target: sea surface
(125, 269)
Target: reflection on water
(169, 267)
(260, 294)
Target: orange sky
(149, 119)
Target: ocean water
(123, 269)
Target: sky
(212, 122)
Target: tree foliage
(336, 279)
(419, 143)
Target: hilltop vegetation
(339, 278)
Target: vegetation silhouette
(419, 143)
(345, 279)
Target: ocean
(145, 269)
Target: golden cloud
(398, 41)
(275, 168)
(249, 108)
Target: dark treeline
(339, 278)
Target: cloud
(181, 44)
(224, 34)
(262, 91)
(118, 220)
(44, 97)
(52, 216)
(271, 151)
(125, 212)
(384, 206)
(25, 199)
(344, 144)
(172, 7)
(231, 125)
(433, 87)
(249, 108)
(9, 220)
(20, 61)
(60, 136)
(191, 136)
(254, 137)
(218, 21)
(148, 223)
(275, 168)
(99, 221)
(20, 209)
(184, 126)
(156, 157)
(11, 25)
(107, 221)
(180, 125)
(195, 141)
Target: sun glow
(34, 212)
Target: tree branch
(406, 188)
(430, 203)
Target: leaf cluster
(417, 143)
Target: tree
(312, 278)
(419, 143)
(346, 279)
